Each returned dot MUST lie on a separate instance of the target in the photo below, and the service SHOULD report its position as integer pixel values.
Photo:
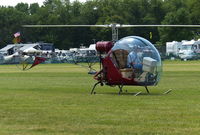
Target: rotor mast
(114, 32)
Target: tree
(195, 15)
(33, 8)
(22, 7)
(170, 34)
(11, 21)
(99, 12)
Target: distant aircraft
(26, 56)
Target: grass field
(54, 99)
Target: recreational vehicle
(190, 50)
(184, 50)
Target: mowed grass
(55, 99)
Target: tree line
(99, 12)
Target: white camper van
(173, 48)
(190, 49)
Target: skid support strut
(94, 87)
(120, 89)
(146, 89)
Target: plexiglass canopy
(137, 59)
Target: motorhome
(190, 50)
(184, 50)
(173, 48)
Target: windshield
(187, 47)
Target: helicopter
(130, 61)
(28, 55)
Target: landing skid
(119, 86)
(121, 90)
(92, 91)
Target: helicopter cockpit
(137, 59)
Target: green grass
(54, 99)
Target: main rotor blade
(108, 25)
(159, 26)
(56, 26)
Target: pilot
(134, 59)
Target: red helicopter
(132, 60)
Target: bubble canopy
(139, 56)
